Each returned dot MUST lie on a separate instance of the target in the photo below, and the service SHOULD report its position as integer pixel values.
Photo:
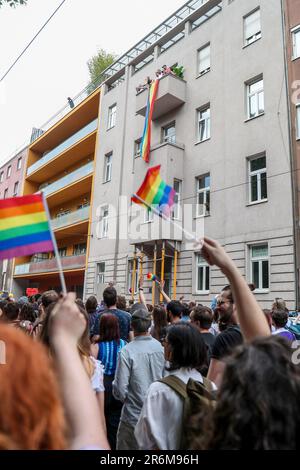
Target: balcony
(73, 177)
(171, 94)
(69, 263)
(169, 155)
(78, 137)
(70, 219)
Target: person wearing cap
(140, 363)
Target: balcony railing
(50, 265)
(69, 179)
(71, 218)
(85, 131)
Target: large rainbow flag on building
(154, 192)
(146, 139)
(24, 227)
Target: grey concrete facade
(234, 140)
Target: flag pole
(57, 257)
(160, 214)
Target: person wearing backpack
(164, 420)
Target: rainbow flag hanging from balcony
(24, 227)
(155, 193)
(146, 139)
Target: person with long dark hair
(106, 350)
(160, 323)
(91, 308)
(258, 406)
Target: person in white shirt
(160, 422)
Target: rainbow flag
(155, 192)
(24, 227)
(146, 139)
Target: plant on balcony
(178, 71)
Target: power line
(193, 197)
(32, 40)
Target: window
(39, 257)
(203, 196)
(5, 193)
(62, 212)
(204, 60)
(1, 176)
(83, 205)
(104, 222)
(100, 273)
(137, 148)
(79, 249)
(258, 179)
(112, 115)
(62, 252)
(298, 121)
(296, 42)
(202, 275)
(255, 98)
(148, 216)
(108, 167)
(252, 27)
(203, 124)
(8, 171)
(19, 164)
(260, 266)
(16, 187)
(169, 133)
(177, 200)
(131, 274)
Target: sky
(55, 66)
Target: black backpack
(197, 398)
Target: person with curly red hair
(31, 412)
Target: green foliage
(96, 65)
(179, 71)
(12, 3)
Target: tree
(12, 3)
(96, 65)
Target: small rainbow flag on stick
(25, 229)
(155, 193)
(152, 277)
(157, 196)
(146, 139)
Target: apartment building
(222, 137)
(11, 185)
(60, 163)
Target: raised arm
(67, 326)
(141, 291)
(251, 318)
(161, 285)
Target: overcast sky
(55, 65)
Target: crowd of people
(172, 376)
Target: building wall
(232, 221)
(17, 175)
